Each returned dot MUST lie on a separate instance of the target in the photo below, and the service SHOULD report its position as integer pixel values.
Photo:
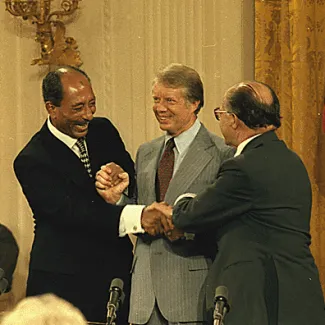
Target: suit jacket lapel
(194, 162)
(148, 183)
(63, 157)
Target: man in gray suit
(168, 277)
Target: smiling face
(173, 112)
(77, 106)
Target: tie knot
(81, 144)
(170, 144)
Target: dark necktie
(84, 155)
(165, 169)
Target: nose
(88, 113)
(159, 107)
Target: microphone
(221, 306)
(3, 282)
(116, 297)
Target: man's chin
(164, 127)
(80, 134)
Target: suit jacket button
(135, 228)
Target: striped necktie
(84, 155)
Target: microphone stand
(218, 316)
(221, 306)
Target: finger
(104, 174)
(159, 228)
(110, 165)
(115, 176)
(117, 181)
(165, 224)
(149, 208)
(171, 237)
(122, 178)
(114, 169)
(106, 169)
(110, 168)
(166, 210)
(170, 222)
(123, 175)
(103, 181)
(99, 186)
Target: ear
(51, 109)
(235, 122)
(194, 105)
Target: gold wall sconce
(56, 48)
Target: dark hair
(178, 75)
(52, 86)
(249, 106)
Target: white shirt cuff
(130, 221)
(191, 195)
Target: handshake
(156, 219)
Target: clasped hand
(157, 219)
(111, 181)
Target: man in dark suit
(77, 250)
(260, 208)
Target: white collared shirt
(243, 144)
(182, 143)
(66, 139)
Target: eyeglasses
(217, 112)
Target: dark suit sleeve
(56, 199)
(228, 198)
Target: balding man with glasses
(259, 209)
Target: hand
(175, 234)
(105, 184)
(167, 211)
(153, 221)
(170, 231)
(110, 175)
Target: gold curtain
(290, 57)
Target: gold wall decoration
(56, 48)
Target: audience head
(69, 100)
(178, 97)
(46, 309)
(248, 108)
